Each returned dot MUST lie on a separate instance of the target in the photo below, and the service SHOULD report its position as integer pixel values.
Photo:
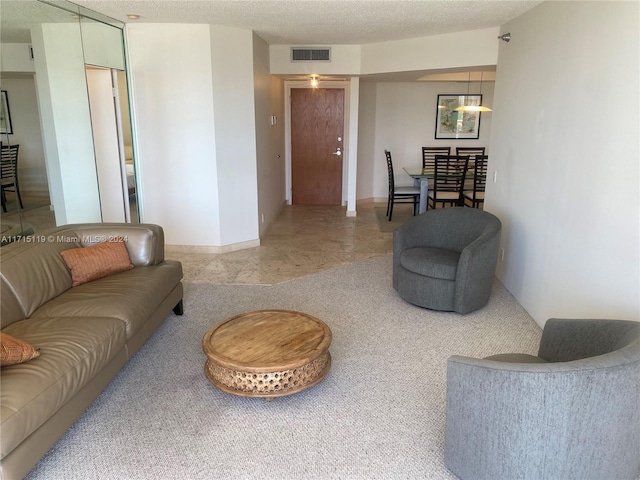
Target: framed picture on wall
(5, 114)
(454, 124)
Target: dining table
(421, 177)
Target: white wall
(405, 118)
(367, 165)
(235, 133)
(269, 101)
(565, 146)
(15, 57)
(352, 145)
(196, 133)
(173, 99)
(453, 50)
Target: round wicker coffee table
(267, 353)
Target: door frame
(347, 157)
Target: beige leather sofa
(85, 334)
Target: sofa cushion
(130, 296)
(91, 263)
(72, 351)
(431, 262)
(33, 273)
(14, 351)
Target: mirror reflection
(63, 77)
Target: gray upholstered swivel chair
(572, 412)
(445, 259)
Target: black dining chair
(9, 174)
(398, 194)
(429, 156)
(472, 152)
(475, 198)
(448, 181)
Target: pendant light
(473, 108)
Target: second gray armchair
(571, 412)
(445, 259)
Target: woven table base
(267, 353)
(284, 382)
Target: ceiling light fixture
(133, 16)
(314, 81)
(472, 108)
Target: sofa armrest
(144, 241)
(565, 340)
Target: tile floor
(302, 240)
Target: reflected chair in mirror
(569, 412)
(399, 194)
(448, 181)
(475, 197)
(445, 259)
(429, 156)
(9, 174)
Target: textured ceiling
(300, 22)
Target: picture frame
(451, 124)
(5, 114)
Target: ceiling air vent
(310, 54)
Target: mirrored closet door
(63, 70)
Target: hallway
(303, 240)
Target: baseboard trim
(369, 200)
(233, 247)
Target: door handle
(338, 152)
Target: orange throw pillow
(13, 351)
(97, 261)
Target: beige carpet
(379, 413)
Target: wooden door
(317, 133)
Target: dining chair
(472, 152)
(399, 194)
(429, 155)
(9, 174)
(476, 196)
(448, 180)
